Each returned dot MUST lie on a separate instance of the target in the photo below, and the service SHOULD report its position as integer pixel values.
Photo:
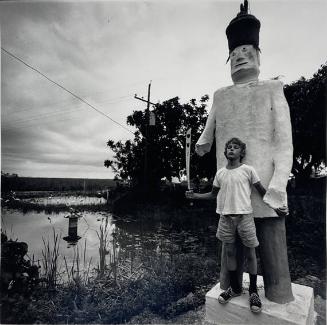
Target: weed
(74, 272)
(50, 260)
(103, 235)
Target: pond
(155, 234)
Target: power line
(9, 127)
(68, 103)
(48, 116)
(40, 116)
(65, 89)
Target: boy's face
(233, 151)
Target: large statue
(256, 112)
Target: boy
(232, 188)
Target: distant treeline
(55, 184)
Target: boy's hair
(240, 143)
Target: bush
(306, 230)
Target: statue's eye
(244, 49)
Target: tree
(307, 101)
(165, 143)
(166, 140)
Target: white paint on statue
(257, 113)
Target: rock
(319, 286)
(194, 317)
(182, 305)
(146, 317)
(320, 308)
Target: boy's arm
(203, 196)
(283, 211)
(260, 188)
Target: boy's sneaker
(227, 295)
(255, 303)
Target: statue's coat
(258, 114)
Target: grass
(103, 236)
(166, 282)
(124, 287)
(76, 274)
(158, 289)
(107, 247)
(50, 261)
(16, 201)
(28, 206)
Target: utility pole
(147, 123)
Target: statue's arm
(282, 148)
(204, 143)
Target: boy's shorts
(241, 223)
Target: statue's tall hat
(243, 29)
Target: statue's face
(244, 61)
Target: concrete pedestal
(237, 311)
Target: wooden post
(271, 234)
(147, 124)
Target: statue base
(300, 311)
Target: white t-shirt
(234, 196)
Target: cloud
(105, 52)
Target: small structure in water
(72, 237)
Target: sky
(106, 52)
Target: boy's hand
(189, 194)
(283, 211)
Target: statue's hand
(202, 149)
(283, 211)
(189, 194)
(275, 198)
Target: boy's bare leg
(232, 267)
(235, 289)
(252, 268)
(224, 273)
(231, 257)
(251, 259)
